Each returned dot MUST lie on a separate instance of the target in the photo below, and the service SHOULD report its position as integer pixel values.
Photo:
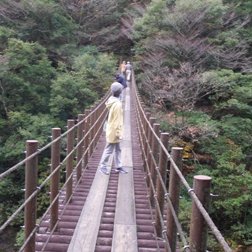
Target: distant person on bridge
(121, 79)
(128, 71)
(114, 129)
(123, 68)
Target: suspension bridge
(90, 211)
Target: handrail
(141, 115)
(98, 113)
(16, 166)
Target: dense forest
(193, 65)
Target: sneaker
(121, 170)
(104, 170)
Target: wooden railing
(80, 139)
(164, 168)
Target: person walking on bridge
(123, 68)
(128, 68)
(114, 129)
(121, 79)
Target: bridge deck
(107, 213)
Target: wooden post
(198, 226)
(142, 132)
(163, 160)
(103, 113)
(90, 133)
(80, 146)
(92, 121)
(69, 163)
(149, 150)
(174, 190)
(145, 136)
(86, 138)
(154, 149)
(54, 186)
(31, 177)
(95, 136)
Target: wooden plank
(125, 235)
(86, 231)
(125, 204)
(127, 155)
(126, 239)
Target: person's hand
(118, 137)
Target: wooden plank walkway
(130, 227)
(124, 236)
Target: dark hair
(117, 93)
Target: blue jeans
(110, 147)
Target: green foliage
(230, 79)
(201, 35)
(10, 195)
(165, 127)
(242, 232)
(74, 91)
(232, 182)
(47, 23)
(26, 76)
(96, 69)
(235, 98)
(203, 121)
(20, 238)
(185, 207)
(43, 198)
(151, 22)
(226, 80)
(24, 127)
(46, 77)
(183, 9)
(237, 129)
(229, 38)
(5, 34)
(242, 6)
(161, 20)
(194, 125)
(225, 143)
(70, 96)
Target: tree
(89, 79)
(100, 23)
(232, 183)
(26, 76)
(195, 34)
